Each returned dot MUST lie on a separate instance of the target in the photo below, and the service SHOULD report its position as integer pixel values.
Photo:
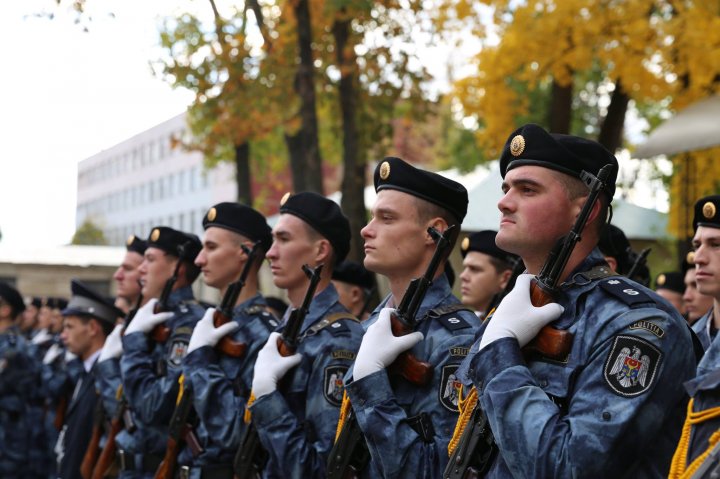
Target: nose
(367, 231)
(272, 252)
(118, 274)
(200, 260)
(505, 204)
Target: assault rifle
(251, 457)
(121, 419)
(349, 455)
(476, 448)
(161, 332)
(93, 450)
(639, 262)
(223, 314)
(517, 268)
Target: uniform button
(606, 416)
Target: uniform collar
(438, 291)
(181, 295)
(256, 299)
(320, 306)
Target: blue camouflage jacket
(701, 328)
(614, 407)
(705, 389)
(150, 373)
(221, 385)
(296, 424)
(389, 409)
(19, 372)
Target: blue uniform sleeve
(151, 396)
(397, 448)
(300, 445)
(621, 403)
(107, 382)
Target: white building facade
(145, 182)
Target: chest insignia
(178, 350)
(450, 386)
(343, 354)
(333, 384)
(631, 366)
(459, 352)
(648, 326)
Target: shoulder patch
(648, 326)
(333, 384)
(343, 354)
(178, 350)
(449, 391)
(459, 351)
(631, 366)
(625, 292)
(453, 323)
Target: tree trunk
(306, 139)
(560, 111)
(242, 173)
(611, 131)
(353, 183)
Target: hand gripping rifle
(161, 332)
(476, 448)
(349, 455)
(223, 314)
(121, 419)
(251, 457)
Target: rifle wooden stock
(107, 456)
(161, 332)
(166, 469)
(406, 364)
(550, 342)
(227, 345)
(93, 451)
(284, 348)
(60, 412)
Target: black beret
(613, 242)
(532, 145)
(324, 215)
(484, 242)
(395, 174)
(239, 219)
(36, 301)
(11, 296)
(170, 241)
(707, 212)
(136, 245)
(86, 302)
(353, 273)
(673, 280)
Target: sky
(67, 95)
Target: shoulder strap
(447, 309)
(328, 320)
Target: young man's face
(155, 270)
(221, 259)
(127, 276)
(696, 304)
(291, 248)
(395, 240)
(76, 335)
(480, 280)
(44, 317)
(535, 211)
(707, 260)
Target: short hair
(315, 235)
(427, 211)
(106, 327)
(575, 188)
(499, 264)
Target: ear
(504, 279)
(356, 294)
(94, 328)
(439, 224)
(323, 251)
(612, 262)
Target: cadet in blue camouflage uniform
(150, 370)
(699, 306)
(406, 426)
(18, 383)
(614, 406)
(296, 420)
(220, 383)
(702, 424)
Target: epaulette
(627, 293)
(444, 314)
(262, 312)
(333, 321)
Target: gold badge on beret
(212, 214)
(517, 145)
(384, 170)
(465, 244)
(130, 240)
(661, 280)
(155, 235)
(284, 199)
(709, 210)
(690, 258)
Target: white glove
(270, 367)
(145, 320)
(379, 347)
(52, 353)
(69, 356)
(206, 334)
(516, 317)
(41, 337)
(113, 344)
